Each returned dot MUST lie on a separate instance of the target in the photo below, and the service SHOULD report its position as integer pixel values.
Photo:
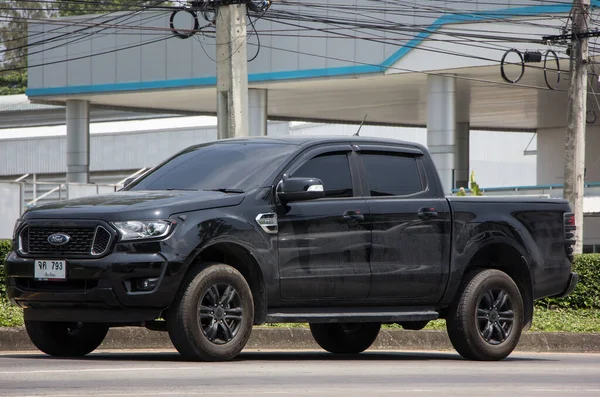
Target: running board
(351, 314)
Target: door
(323, 244)
(410, 226)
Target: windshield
(231, 166)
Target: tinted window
(218, 165)
(333, 170)
(392, 174)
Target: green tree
(14, 16)
(85, 7)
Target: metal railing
(591, 189)
(34, 191)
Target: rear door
(410, 225)
(324, 244)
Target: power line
(359, 25)
(103, 25)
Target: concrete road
(152, 373)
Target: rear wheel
(351, 338)
(486, 321)
(213, 319)
(66, 339)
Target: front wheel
(486, 321)
(212, 320)
(345, 338)
(66, 339)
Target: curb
(262, 338)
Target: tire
(65, 339)
(340, 338)
(486, 321)
(209, 322)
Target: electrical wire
(400, 69)
(76, 58)
(363, 22)
(102, 24)
(65, 38)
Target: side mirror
(300, 189)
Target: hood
(129, 205)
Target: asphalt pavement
(299, 373)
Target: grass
(10, 315)
(544, 320)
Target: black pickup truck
(345, 234)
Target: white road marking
(229, 392)
(327, 390)
(567, 391)
(70, 371)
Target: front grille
(84, 240)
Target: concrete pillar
(258, 111)
(78, 141)
(461, 158)
(441, 127)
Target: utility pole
(575, 134)
(232, 69)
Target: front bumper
(573, 280)
(95, 289)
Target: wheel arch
(507, 258)
(240, 258)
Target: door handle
(353, 216)
(427, 213)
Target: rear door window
(392, 174)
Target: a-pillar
(441, 127)
(78, 141)
(258, 100)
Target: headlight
(138, 230)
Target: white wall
(591, 230)
(498, 160)
(10, 208)
(551, 155)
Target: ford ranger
(342, 233)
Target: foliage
(15, 16)
(474, 188)
(546, 320)
(475, 191)
(5, 247)
(13, 82)
(10, 315)
(13, 36)
(86, 7)
(587, 292)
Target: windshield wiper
(177, 188)
(225, 190)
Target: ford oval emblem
(59, 239)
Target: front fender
(205, 229)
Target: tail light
(569, 228)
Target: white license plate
(50, 270)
